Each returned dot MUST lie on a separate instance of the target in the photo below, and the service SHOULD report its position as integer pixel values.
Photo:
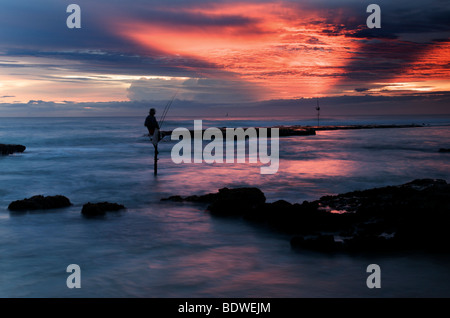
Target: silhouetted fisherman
(151, 123)
(153, 131)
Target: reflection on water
(318, 168)
(167, 249)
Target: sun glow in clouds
(275, 46)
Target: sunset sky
(238, 54)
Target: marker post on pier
(318, 113)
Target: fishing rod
(165, 111)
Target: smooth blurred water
(167, 249)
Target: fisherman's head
(152, 111)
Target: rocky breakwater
(283, 131)
(411, 217)
(10, 149)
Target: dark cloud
(182, 18)
(203, 90)
(107, 62)
(42, 24)
(408, 30)
(348, 17)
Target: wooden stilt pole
(155, 167)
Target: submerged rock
(10, 149)
(39, 202)
(95, 209)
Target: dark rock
(39, 202)
(444, 150)
(416, 196)
(236, 201)
(95, 209)
(263, 212)
(10, 149)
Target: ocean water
(168, 249)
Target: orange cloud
(433, 63)
(276, 46)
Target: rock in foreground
(96, 209)
(413, 216)
(39, 202)
(10, 149)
